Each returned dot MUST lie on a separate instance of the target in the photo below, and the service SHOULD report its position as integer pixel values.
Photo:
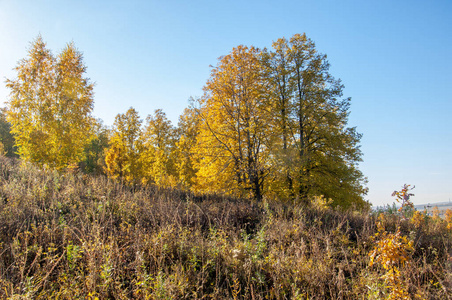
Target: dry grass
(73, 236)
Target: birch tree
(50, 106)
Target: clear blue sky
(392, 56)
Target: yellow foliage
(2, 149)
(322, 202)
(448, 218)
(312, 152)
(417, 219)
(157, 155)
(392, 251)
(231, 149)
(186, 159)
(122, 157)
(435, 213)
(50, 106)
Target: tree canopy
(50, 106)
(273, 122)
(234, 129)
(316, 152)
(126, 146)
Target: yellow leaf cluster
(448, 218)
(50, 106)
(392, 251)
(417, 219)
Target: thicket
(72, 236)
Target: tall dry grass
(73, 236)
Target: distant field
(430, 207)
(442, 207)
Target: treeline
(271, 123)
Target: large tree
(277, 68)
(50, 106)
(275, 121)
(234, 126)
(316, 152)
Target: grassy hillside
(72, 236)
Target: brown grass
(73, 236)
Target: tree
(158, 154)
(95, 151)
(7, 142)
(186, 159)
(122, 158)
(234, 127)
(320, 154)
(277, 68)
(50, 106)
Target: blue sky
(392, 56)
